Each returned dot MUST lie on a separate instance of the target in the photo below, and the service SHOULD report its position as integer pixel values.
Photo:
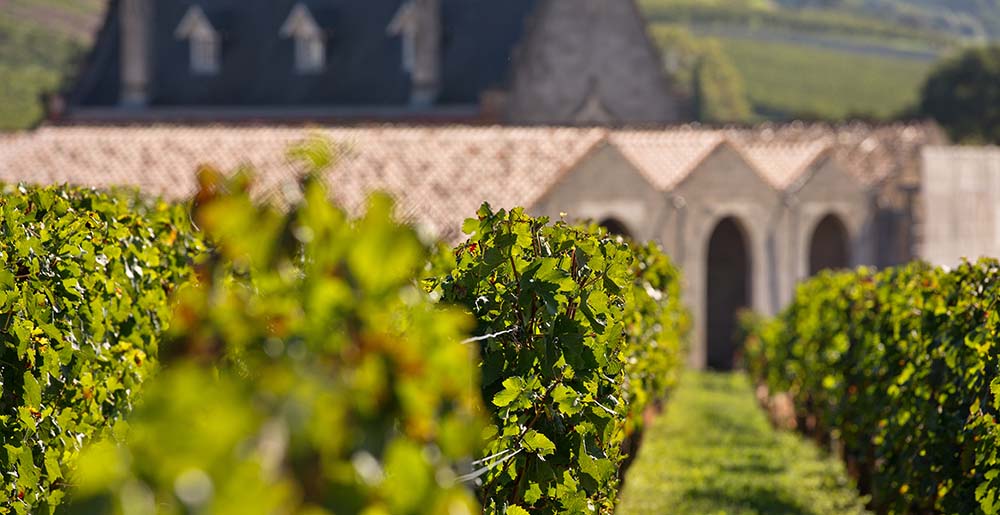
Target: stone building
(746, 212)
(564, 62)
(585, 124)
(960, 196)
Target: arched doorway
(616, 227)
(828, 249)
(728, 289)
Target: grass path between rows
(714, 452)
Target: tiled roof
(872, 153)
(9, 144)
(666, 158)
(439, 176)
(782, 164)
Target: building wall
(439, 176)
(605, 185)
(961, 202)
(584, 60)
(777, 226)
(724, 185)
(827, 189)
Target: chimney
(135, 18)
(427, 49)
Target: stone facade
(590, 62)
(960, 193)
(777, 221)
(747, 213)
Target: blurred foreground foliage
(307, 373)
(902, 368)
(235, 357)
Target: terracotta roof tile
(782, 164)
(10, 144)
(666, 158)
(439, 176)
(874, 154)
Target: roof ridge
(663, 174)
(600, 135)
(789, 168)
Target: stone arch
(616, 227)
(729, 271)
(829, 245)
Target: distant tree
(702, 70)
(963, 95)
(720, 87)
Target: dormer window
(205, 42)
(310, 41)
(406, 24)
(418, 24)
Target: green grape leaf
(538, 443)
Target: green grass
(85, 7)
(786, 80)
(934, 20)
(73, 18)
(33, 60)
(767, 14)
(827, 64)
(20, 90)
(714, 452)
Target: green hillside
(769, 16)
(906, 19)
(789, 81)
(41, 41)
(965, 18)
(798, 61)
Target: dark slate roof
(257, 69)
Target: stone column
(427, 53)
(135, 18)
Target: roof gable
(828, 179)
(726, 173)
(666, 158)
(578, 49)
(301, 24)
(784, 165)
(195, 25)
(874, 154)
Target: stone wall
(590, 62)
(605, 185)
(777, 225)
(960, 196)
(723, 186)
(829, 190)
